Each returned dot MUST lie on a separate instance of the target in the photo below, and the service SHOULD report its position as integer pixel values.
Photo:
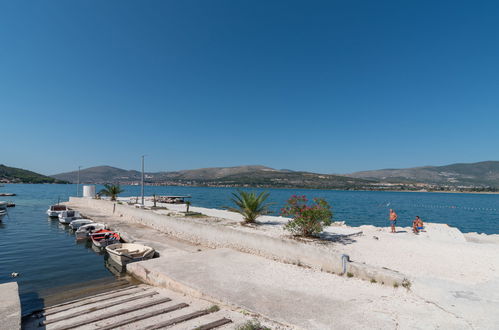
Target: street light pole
(142, 190)
(78, 183)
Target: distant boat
(7, 194)
(75, 224)
(3, 205)
(104, 237)
(67, 216)
(84, 231)
(3, 213)
(124, 253)
(55, 210)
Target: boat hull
(123, 258)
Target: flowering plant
(308, 220)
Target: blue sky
(325, 86)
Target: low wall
(10, 306)
(213, 235)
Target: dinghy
(124, 253)
(84, 231)
(67, 216)
(104, 237)
(75, 224)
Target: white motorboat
(124, 253)
(3, 205)
(68, 216)
(84, 231)
(75, 224)
(55, 210)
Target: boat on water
(75, 224)
(55, 210)
(124, 253)
(3, 213)
(66, 217)
(3, 205)
(104, 237)
(7, 194)
(84, 231)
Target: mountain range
(470, 176)
(482, 174)
(253, 175)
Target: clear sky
(325, 86)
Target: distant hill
(253, 175)
(482, 174)
(18, 175)
(100, 174)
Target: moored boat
(75, 224)
(3, 205)
(55, 210)
(67, 216)
(3, 213)
(84, 231)
(124, 253)
(104, 237)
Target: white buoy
(89, 191)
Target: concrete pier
(10, 306)
(292, 295)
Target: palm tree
(250, 205)
(111, 190)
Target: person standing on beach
(393, 220)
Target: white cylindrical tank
(89, 191)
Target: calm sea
(47, 256)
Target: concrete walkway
(10, 306)
(292, 294)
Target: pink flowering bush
(309, 219)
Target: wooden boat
(102, 238)
(124, 253)
(55, 210)
(84, 231)
(66, 217)
(75, 224)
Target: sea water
(46, 255)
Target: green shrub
(308, 220)
(252, 325)
(349, 274)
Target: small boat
(3, 213)
(7, 194)
(3, 205)
(104, 237)
(124, 253)
(75, 224)
(84, 231)
(67, 216)
(55, 210)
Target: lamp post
(142, 189)
(78, 183)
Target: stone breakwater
(221, 236)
